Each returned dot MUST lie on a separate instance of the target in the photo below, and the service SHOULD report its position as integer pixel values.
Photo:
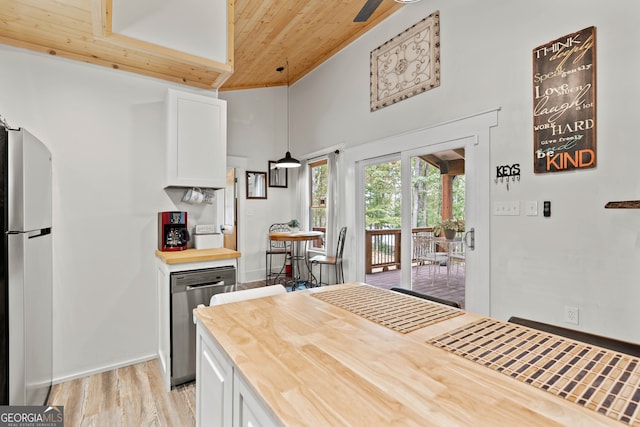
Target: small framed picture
(277, 176)
(256, 185)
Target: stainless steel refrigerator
(25, 269)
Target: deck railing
(383, 247)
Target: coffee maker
(172, 231)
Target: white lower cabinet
(248, 411)
(214, 384)
(222, 396)
(164, 325)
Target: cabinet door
(214, 384)
(197, 140)
(249, 410)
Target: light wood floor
(133, 396)
(130, 396)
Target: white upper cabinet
(197, 140)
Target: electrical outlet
(571, 315)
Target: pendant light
(287, 161)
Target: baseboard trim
(62, 379)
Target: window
(318, 173)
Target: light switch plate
(532, 208)
(506, 208)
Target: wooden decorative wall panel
(406, 65)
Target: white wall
(105, 129)
(257, 131)
(583, 255)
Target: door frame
(240, 166)
(229, 197)
(471, 133)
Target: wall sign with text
(564, 103)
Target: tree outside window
(383, 189)
(318, 172)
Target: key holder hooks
(506, 173)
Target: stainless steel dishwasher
(188, 289)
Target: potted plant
(294, 225)
(450, 227)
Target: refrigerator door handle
(39, 233)
(32, 234)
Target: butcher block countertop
(317, 364)
(196, 255)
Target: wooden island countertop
(196, 255)
(315, 364)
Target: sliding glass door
(413, 255)
(382, 198)
(469, 138)
(437, 187)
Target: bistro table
(297, 238)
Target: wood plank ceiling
(266, 34)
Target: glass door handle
(470, 238)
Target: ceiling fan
(370, 6)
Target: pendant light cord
(288, 112)
(287, 161)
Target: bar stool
(336, 260)
(276, 248)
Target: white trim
(106, 368)
(240, 166)
(321, 153)
(472, 132)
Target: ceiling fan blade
(367, 10)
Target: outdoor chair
(457, 256)
(425, 253)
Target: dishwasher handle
(205, 285)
